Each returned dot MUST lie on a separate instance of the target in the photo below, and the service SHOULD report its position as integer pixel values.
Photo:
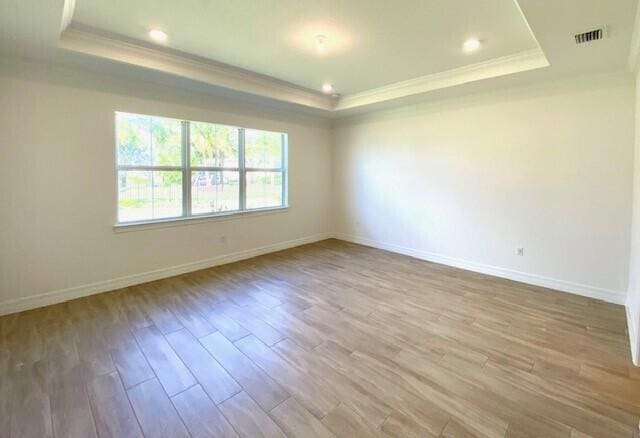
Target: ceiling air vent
(591, 35)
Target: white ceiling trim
(183, 65)
(519, 62)
(93, 42)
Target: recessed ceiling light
(471, 45)
(327, 88)
(321, 43)
(157, 35)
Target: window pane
(134, 139)
(149, 195)
(263, 149)
(213, 145)
(166, 141)
(264, 189)
(213, 192)
(148, 141)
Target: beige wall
(58, 184)
(466, 182)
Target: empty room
(297, 218)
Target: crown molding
(519, 62)
(91, 42)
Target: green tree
(133, 145)
(263, 149)
(211, 146)
(166, 136)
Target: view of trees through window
(170, 168)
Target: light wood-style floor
(329, 339)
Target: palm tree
(211, 145)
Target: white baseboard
(610, 296)
(634, 336)
(61, 295)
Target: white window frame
(187, 170)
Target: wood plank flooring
(329, 339)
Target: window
(169, 169)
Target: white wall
(547, 167)
(463, 181)
(633, 294)
(57, 185)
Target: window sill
(193, 220)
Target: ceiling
(376, 52)
(368, 44)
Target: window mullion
(214, 169)
(264, 169)
(126, 167)
(243, 172)
(284, 165)
(186, 170)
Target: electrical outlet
(222, 239)
(520, 251)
